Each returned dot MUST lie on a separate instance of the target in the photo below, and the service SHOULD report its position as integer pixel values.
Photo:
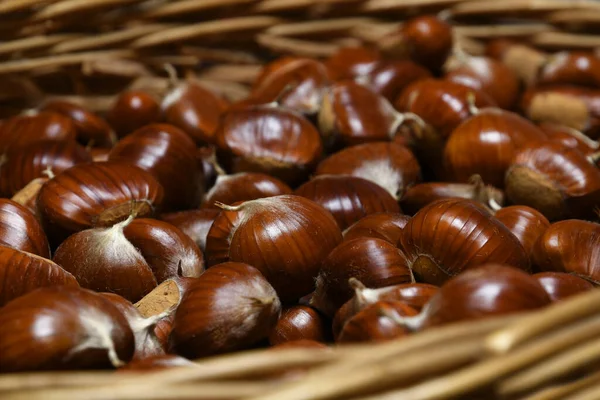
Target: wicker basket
(89, 50)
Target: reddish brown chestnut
(348, 198)
(523, 60)
(20, 229)
(351, 62)
(570, 68)
(22, 130)
(385, 226)
(374, 262)
(570, 137)
(230, 307)
(132, 110)
(450, 236)
(389, 78)
(169, 154)
(28, 196)
(560, 285)
(526, 223)
(64, 328)
(218, 239)
(299, 323)
(194, 223)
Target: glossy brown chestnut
(194, 223)
(351, 62)
(373, 324)
(132, 110)
(218, 239)
(427, 39)
(570, 68)
(20, 229)
(570, 246)
(98, 194)
(169, 154)
(389, 78)
(65, 328)
(243, 186)
(442, 104)
(39, 159)
(560, 285)
(570, 137)
(450, 236)
(157, 363)
(374, 262)
(28, 196)
(385, 226)
(299, 323)
(523, 60)
(295, 83)
(230, 307)
(348, 198)
(22, 272)
(526, 223)
(487, 75)
(276, 141)
(419, 195)
(486, 143)
(557, 181)
(129, 258)
(195, 110)
(390, 165)
(22, 130)
(91, 129)
(285, 237)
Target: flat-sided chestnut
(132, 110)
(299, 323)
(194, 223)
(64, 328)
(276, 141)
(218, 238)
(22, 130)
(284, 237)
(557, 181)
(169, 154)
(385, 226)
(20, 229)
(230, 307)
(389, 78)
(390, 165)
(39, 159)
(570, 246)
(129, 258)
(98, 194)
(450, 236)
(351, 62)
(348, 198)
(91, 129)
(560, 285)
(526, 223)
(374, 262)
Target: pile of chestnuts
(362, 198)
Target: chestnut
(374, 262)
(278, 142)
(230, 307)
(390, 77)
(373, 323)
(570, 246)
(157, 363)
(91, 129)
(129, 258)
(351, 62)
(132, 110)
(557, 181)
(486, 143)
(39, 159)
(20, 229)
(386, 226)
(302, 343)
(285, 237)
(195, 110)
(390, 165)
(348, 198)
(98, 194)
(22, 272)
(526, 223)
(560, 285)
(218, 238)
(81, 330)
(28, 196)
(570, 137)
(523, 60)
(299, 323)
(21, 130)
(194, 223)
(570, 68)
(450, 236)
(169, 154)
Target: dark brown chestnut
(276, 141)
(570, 137)
(348, 198)
(450, 236)
(390, 165)
(194, 223)
(230, 307)
(560, 285)
(374, 262)
(299, 323)
(570, 68)
(20, 229)
(218, 239)
(169, 154)
(351, 62)
(22, 130)
(66, 328)
(132, 110)
(385, 226)
(389, 78)
(526, 223)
